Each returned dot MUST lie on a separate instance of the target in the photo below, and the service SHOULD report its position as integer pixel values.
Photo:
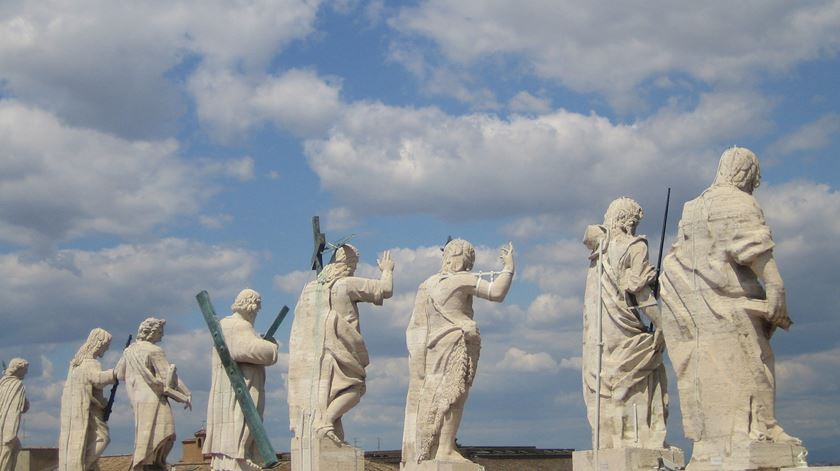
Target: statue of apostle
(327, 355)
(84, 432)
(13, 403)
(443, 348)
(633, 386)
(151, 381)
(723, 298)
(229, 440)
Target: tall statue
(723, 299)
(632, 382)
(327, 355)
(443, 348)
(151, 381)
(84, 432)
(229, 440)
(13, 403)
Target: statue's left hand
(385, 263)
(506, 255)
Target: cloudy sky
(152, 149)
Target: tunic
(84, 432)
(13, 403)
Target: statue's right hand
(777, 306)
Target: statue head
(623, 214)
(343, 263)
(17, 367)
(458, 255)
(151, 330)
(247, 303)
(738, 167)
(95, 346)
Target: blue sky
(154, 149)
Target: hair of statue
(458, 249)
(148, 327)
(623, 212)
(342, 263)
(15, 365)
(246, 300)
(738, 166)
(96, 339)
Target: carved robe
(714, 320)
(84, 433)
(13, 403)
(145, 369)
(634, 398)
(327, 354)
(228, 438)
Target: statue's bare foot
(778, 435)
(450, 455)
(328, 431)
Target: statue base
(325, 455)
(756, 456)
(621, 459)
(436, 465)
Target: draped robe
(13, 403)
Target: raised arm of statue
(497, 289)
(374, 291)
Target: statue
(327, 355)
(84, 432)
(723, 298)
(633, 385)
(443, 349)
(229, 440)
(151, 381)
(13, 403)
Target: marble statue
(722, 300)
(443, 347)
(151, 381)
(84, 432)
(229, 440)
(327, 356)
(633, 385)
(13, 403)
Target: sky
(156, 148)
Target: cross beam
(319, 240)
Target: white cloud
(524, 102)
(810, 136)
(613, 48)
(340, 219)
(216, 221)
(520, 360)
(61, 298)
(79, 59)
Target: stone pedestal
(756, 456)
(325, 455)
(436, 465)
(626, 459)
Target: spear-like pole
(661, 246)
(108, 408)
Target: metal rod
(600, 348)
(636, 421)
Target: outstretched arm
(497, 289)
(368, 290)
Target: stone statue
(228, 439)
(722, 299)
(84, 432)
(327, 355)
(633, 385)
(151, 381)
(13, 403)
(443, 348)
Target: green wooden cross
(319, 240)
(240, 390)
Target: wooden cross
(319, 240)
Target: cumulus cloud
(524, 102)
(114, 288)
(520, 360)
(810, 136)
(615, 48)
(54, 55)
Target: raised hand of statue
(385, 263)
(506, 255)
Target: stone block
(436, 465)
(326, 455)
(629, 459)
(756, 456)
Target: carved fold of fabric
(12, 404)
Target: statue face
(157, 335)
(102, 349)
(21, 372)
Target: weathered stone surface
(13, 403)
(723, 298)
(443, 466)
(325, 454)
(763, 456)
(327, 354)
(443, 345)
(626, 459)
(84, 432)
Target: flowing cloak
(442, 362)
(633, 379)
(327, 354)
(227, 432)
(145, 369)
(717, 335)
(13, 403)
(82, 409)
